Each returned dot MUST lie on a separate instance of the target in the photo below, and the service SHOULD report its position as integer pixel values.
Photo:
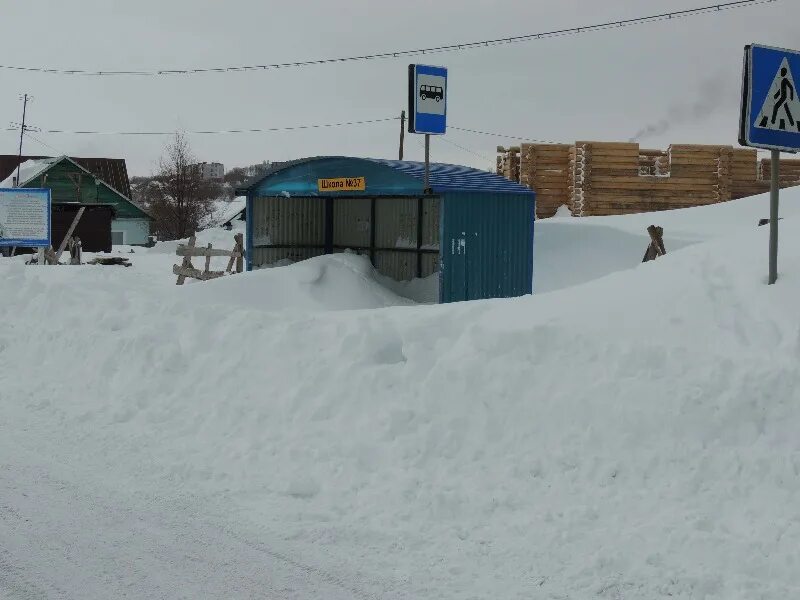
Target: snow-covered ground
(570, 251)
(634, 436)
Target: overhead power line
(464, 148)
(502, 135)
(42, 143)
(678, 14)
(29, 129)
(211, 132)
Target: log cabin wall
(616, 178)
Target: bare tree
(178, 197)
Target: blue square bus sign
(770, 115)
(427, 99)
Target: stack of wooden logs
(546, 169)
(508, 162)
(612, 178)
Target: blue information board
(770, 115)
(25, 217)
(427, 99)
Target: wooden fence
(187, 251)
(612, 178)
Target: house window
(117, 238)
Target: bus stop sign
(770, 115)
(427, 99)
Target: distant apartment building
(212, 170)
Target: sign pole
(427, 163)
(427, 108)
(774, 191)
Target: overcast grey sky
(600, 86)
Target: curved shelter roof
(383, 177)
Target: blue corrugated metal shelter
(475, 228)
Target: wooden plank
(184, 272)
(69, 233)
(208, 259)
(184, 250)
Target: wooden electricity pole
(402, 131)
(21, 133)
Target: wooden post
(187, 262)
(50, 256)
(656, 247)
(237, 254)
(208, 261)
(75, 251)
(70, 232)
(240, 248)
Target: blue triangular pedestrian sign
(770, 115)
(781, 108)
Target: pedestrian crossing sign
(770, 115)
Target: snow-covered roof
(236, 206)
(28, 170)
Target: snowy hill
(631, 437)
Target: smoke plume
(712, 94)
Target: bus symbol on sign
(431, 91)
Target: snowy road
(61, 540)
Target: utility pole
(402, 131)
(24, 99)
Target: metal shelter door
(455, 267)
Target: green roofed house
(73, 183)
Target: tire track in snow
(58, 540)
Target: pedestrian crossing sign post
(770, 118)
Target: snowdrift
(570, 251)
(632, 437)
(333, 282)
